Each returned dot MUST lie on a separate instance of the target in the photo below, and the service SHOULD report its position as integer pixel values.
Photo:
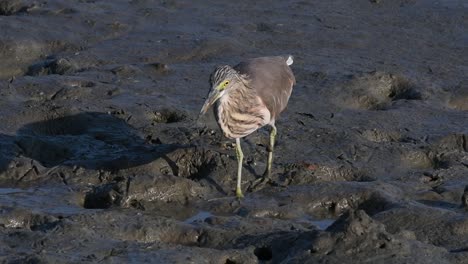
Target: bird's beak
(213, 96)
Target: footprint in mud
(376, 91)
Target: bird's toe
(260, 183)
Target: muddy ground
(103, 159)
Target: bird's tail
(290, 60)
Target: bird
(249, 96)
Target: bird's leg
(240, 157)
(270, 148)
(266, 178)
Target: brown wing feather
(272, 79)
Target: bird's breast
(238, 119)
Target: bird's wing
(271, 78)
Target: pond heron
(249, 96)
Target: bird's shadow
(96, 141)
(90, 140)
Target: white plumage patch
(290, 60)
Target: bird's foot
(239, 194)
(261, 182)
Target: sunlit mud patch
(459, 98)
(328, 200)
(376, 91)
(20, 218)
(450, 150)
(145, 192)
(419, 159)
(304, 173)
(447, 151)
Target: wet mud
(103, 157)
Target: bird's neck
(238, 97)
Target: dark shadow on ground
(8, 151)
(90, 140)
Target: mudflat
(103, 157)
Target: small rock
(263, 27)
(159, 67)
(125, 70)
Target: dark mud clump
(377, 91)
(168, 116)
(52, 66)
(12, 7)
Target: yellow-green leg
(267, 173)
(260, 182)
(240, 157)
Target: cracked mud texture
(103, 157)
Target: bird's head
(222, 80)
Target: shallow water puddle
(47, 200)
(14, 190)
(321, 224)
(199, 217)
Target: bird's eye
(224, 84)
